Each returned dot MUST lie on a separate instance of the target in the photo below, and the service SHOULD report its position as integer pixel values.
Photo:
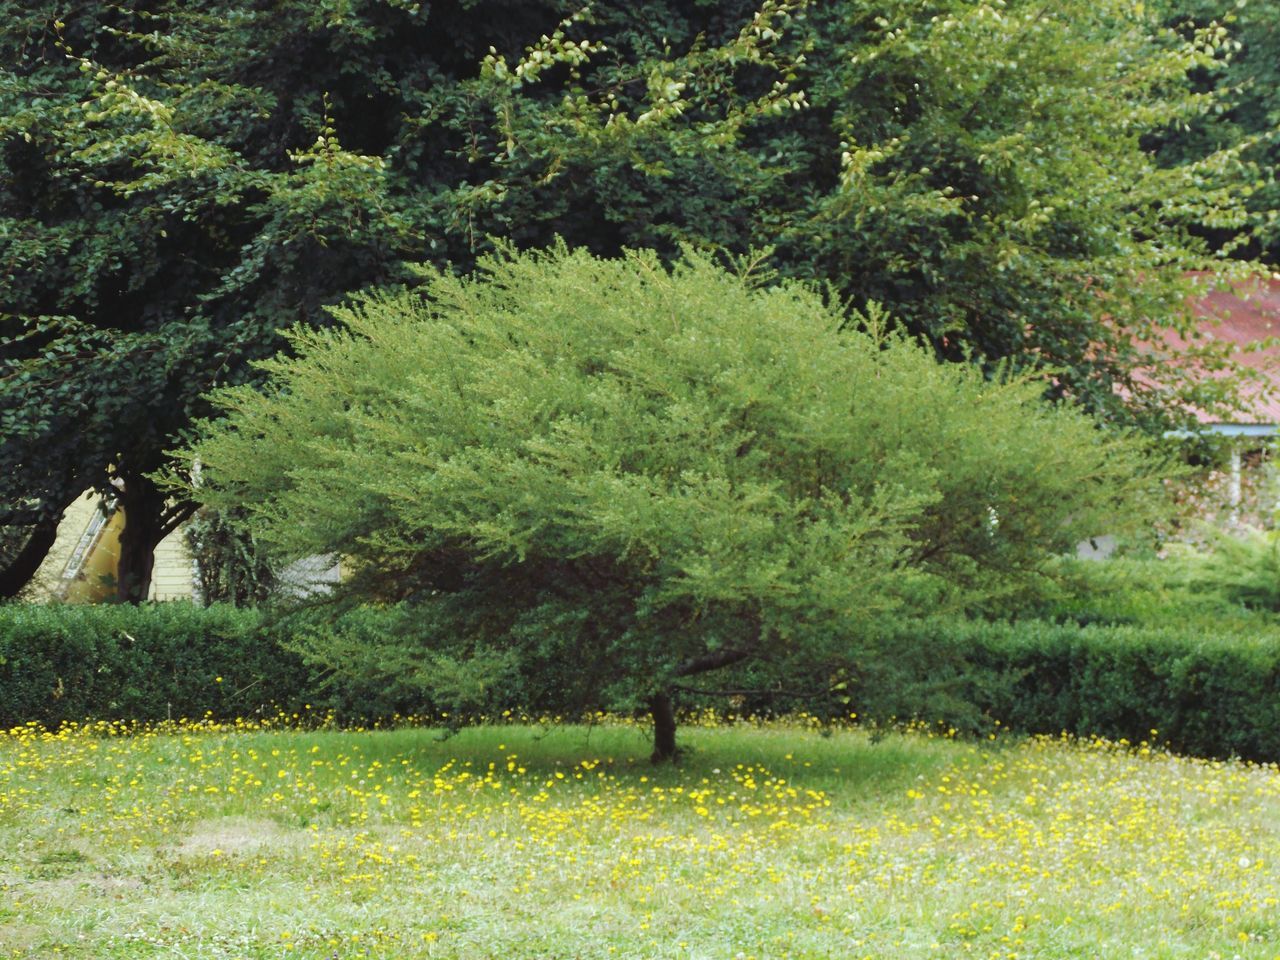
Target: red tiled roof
(1246, 316)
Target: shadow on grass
(846, 764)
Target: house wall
(172, 579)
(48, 580)
(174, 573)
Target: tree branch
(19, 569)
(711, 661)
(175, 516)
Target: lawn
(519, 842)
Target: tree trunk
(664, 729)
(17, 573)
(143, 505)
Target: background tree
(607, 477)
(173, 192)
(985, 170)
(1245, 81)
(178, 183)
(230, 567)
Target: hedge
(145, 663)
(159, 661)
(1203, 695)
(1210, 696)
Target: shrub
(70, 662)
(1205, 695)
(1200, 693)
(1240, 567)
(1148, 591)
(622, 473)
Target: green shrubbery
(618, 474)
(1239, 570)
(1230, 584)
(1148, 591)
(71, 662)
(1205, 694)
(151, 662)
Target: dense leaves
(68, 662)
(1245, 80)
(179, 182)
(620, 475)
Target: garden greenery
(616, 475)
(180, 181)
(1205, 694)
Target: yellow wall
(95, 581)
(172, 578)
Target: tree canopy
(619, 475)
(180, 182)
(1245, 81)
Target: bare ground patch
(233, 835)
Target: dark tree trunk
(664, 729)
(664, 711)
(144, 528)
(17, 573)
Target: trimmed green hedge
(1204, 695)
(145, 663)
(152, 662)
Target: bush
(1200, 693)
(1180, 591)
(628, 473)
(1206, 695)
(145, 663)
(1241, 568)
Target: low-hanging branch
(711, 661)
(788, 694)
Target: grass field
(515, 842)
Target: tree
(174, 191)
(606, 476)
(984, 170)
(1244, 79)
(149, 248)
(179, 182)
(229, 566)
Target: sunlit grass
(521, 842)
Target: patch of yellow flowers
(250, 839)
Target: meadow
(768, 841)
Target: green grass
(518, 842)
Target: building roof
(1246, 317)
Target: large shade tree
(179, 182)
(603, 477)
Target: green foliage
(625, 473)
(1229, 583)
(1205, 695)
(178, 182)
(1245, 80)
(1141, 591)
(1182, 685)
(1240, 567)
(229, 566)
(141, 663)
(156, 661)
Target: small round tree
(600, 477)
